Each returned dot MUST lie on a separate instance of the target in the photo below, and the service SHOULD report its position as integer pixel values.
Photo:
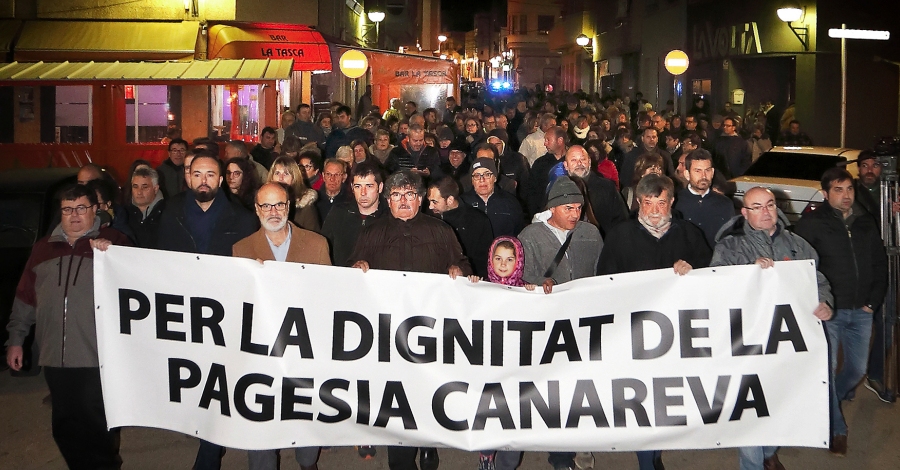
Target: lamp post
(441, 38)
(843, 33)
(376, 16)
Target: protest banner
(280, 355)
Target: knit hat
(488, 163)
(562, 192)
(501, 134)
(445, 134)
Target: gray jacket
(541, 246)
(738, 243)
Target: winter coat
(630, 247)
(541, 246)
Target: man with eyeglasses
(204, 221)
(733, 150)
(759, 236)
(279, 239)
(414, 242)
(56, 294)
(333, 191)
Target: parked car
(28, 211)
(794, 174)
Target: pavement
(26, 443)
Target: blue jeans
(851, 329)
(646, 458)
(561, 459)
(751, 458)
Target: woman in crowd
(291, 147)
(242, 181)
(645, 165)
(382, 146)
(285, 170)
(310, 163)
(324, 123)
(598, 150)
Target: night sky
(457, 15)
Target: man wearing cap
(486, 195)
(560, 225)
(512, 164)
(456, 165)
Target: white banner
(283, 355)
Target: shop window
(73, 120)
(152, 113)
(544, 24)
(235, 112)
(702, 87)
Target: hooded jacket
(738, 243)
(56, 293)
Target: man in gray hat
(559, 247)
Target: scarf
(514, 279)
(659, 231)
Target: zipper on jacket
(188, 232)
(855, 267)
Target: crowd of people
(533, 192)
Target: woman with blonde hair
(303, 212)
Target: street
(26, 443)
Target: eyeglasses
(482, 176)
(234, 173)
(757, 207)
(409, 195)
(266, 207)
(333, 175)
(308, 166)
(80, 210)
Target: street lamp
(441, 38)
(843, 33)
(790, 12)
(583, 41)
(376, 15)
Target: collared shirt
(280, 252)
(695, 193)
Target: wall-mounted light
(376, 16)
(584, 41)
(791, 12)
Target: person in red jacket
(56, 294)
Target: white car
(794, 175)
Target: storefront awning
(302, 44)
(191, 73)
(8, 30)
(106, 41)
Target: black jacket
(145, 229)
(502, 208)
(325, 203)
(343, 226)
(608, 206)
(473, 228)
(538, 180)
(630, 247)
(234, 224)
(514, 166)
(709, 212)
(854, 261)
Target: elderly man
(56, 294)
(608, 206)
(486, 195)
(409, 241)
(654, 240)
(698, 203)
(171, 171)
(852, 258)
(146, 207)
(280, 240)
(347, 220)
(472, 227)
(759, 236)
(334, 191)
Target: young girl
(506, 265)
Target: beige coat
(306, 247)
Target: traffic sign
(354, 63)
(676, 62)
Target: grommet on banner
(198, 258)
